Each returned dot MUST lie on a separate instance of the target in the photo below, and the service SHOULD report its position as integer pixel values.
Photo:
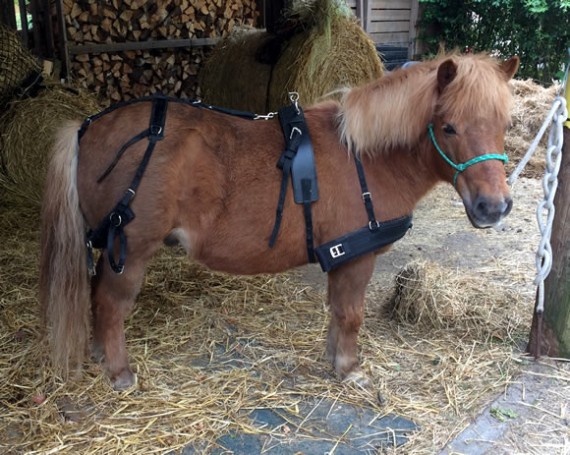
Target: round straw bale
(233, 77)
(17, 64)
(319, 57)
(27, 132)
(434, 297)
(320, 61)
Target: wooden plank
(143, 45)
(390, 15)
(390, 38)
(391, 27)
(391, 4)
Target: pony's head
(467, 131)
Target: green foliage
(538, 31)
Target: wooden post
(274, 14)
(550, 334)
(8, 13)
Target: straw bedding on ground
(210, 348)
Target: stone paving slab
(318, 428)
(507, 416)
(320, 425)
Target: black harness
(113, 225)
(296, 162)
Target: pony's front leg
(346, 290)
(113, 297)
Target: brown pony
(212, 186)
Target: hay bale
(26, 136)
(326, 50)
(531, 105)
(233, 77)
(17, 65)
(433, 297)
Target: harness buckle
(367, 196)
(337, 251)
(373, 225)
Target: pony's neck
(390, 112)
(401, 178)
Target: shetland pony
(212, 186)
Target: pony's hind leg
(113, 297)
(346, 290)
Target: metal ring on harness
(155, 130)
(114, 221)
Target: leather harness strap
(296, 135)
(296, 162)
(113, 225)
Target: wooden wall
(388, 21)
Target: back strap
(298, 162)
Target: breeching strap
(462, 166)
(112, 226)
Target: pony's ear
(510, 66)
(445, 74)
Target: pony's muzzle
(486, 212)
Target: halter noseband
(462, 166)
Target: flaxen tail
(64, 280)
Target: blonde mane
(395, 110)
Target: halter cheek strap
(462, 166)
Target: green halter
(462, 166)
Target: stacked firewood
(122, 75)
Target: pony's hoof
(358, 378)
(124, 380)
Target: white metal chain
(545, 212)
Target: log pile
(123, 75)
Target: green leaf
(503, 414)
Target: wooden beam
(143, 45)
(62, 40)
(273, 14)
(414, 16)
(8, 14)
(366, 15)
(24, 21)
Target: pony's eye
(448, 129)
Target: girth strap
(113, 225)
(365, 240)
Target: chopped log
(118, 74)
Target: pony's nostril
(481, 207)
(491, 211)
